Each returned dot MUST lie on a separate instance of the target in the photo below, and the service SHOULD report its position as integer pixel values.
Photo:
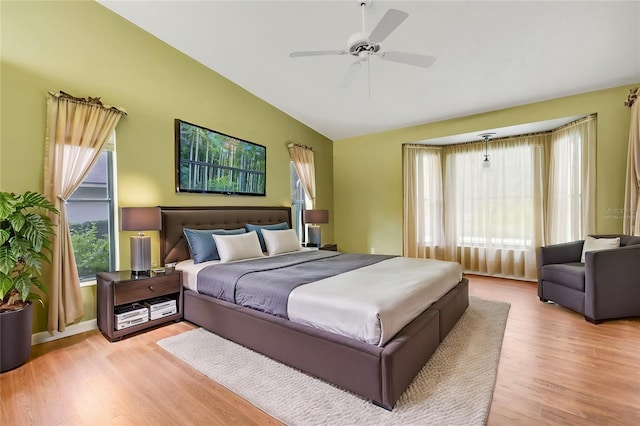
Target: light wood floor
(555, 369)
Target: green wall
(368, 191)
(86, 50)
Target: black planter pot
(15, 337)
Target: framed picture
(212, 162)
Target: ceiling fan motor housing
(359, 42)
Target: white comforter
(370, 304)
(373, 303)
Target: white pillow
(591, 244)
(281, 241)
(238, 247)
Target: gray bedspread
(264, 284)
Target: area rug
(455, 387)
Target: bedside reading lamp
(140, 219)
(313, 217)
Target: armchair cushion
(591, 244)
(569, 274)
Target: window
(91, 219)
(487, 219)
(498, 204)
(299, 201)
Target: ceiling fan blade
(422, 61)
(387, 24)
(316, 53)
(351, 74)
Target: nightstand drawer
(134, 291)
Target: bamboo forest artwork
(211, 162)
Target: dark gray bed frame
(380, 374)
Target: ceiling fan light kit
(363, 45)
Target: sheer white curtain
(571, 207)
(494, 217)
(423, 207)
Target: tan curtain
(631, 222)
(423, 220)
(77, 130)
(571, 198)
(302, 157)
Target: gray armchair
(606, 286)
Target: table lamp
(313, 217)
(140, 219)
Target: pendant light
(485, 137)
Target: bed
(378, 373)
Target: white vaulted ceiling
(490, 55)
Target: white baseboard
(44, 336)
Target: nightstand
(331, 247)
(119, 289)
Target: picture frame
(211, 162)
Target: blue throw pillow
(202, 245)
(258, 228)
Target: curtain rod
(86, 101)
(481, 141)
(633, 95)
(579, 120)
(505, 138)
(300, 146)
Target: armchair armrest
(612, 284)
(560, 253)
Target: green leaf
(35, 199)
(4, 236)
(19, 246)
(7, 205)
(6, 284)
(7, 260)
(31, 262)
(22, 283)
(17, 221)
(38, 284)
(34, 230)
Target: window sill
(479, 245)
(496, 247)
(88, 283)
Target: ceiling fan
(363, 45)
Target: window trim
(111, 199)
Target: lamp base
(314, 239)
(140, 255)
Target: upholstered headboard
(173, 244)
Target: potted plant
(25, 231)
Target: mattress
(370, 304)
